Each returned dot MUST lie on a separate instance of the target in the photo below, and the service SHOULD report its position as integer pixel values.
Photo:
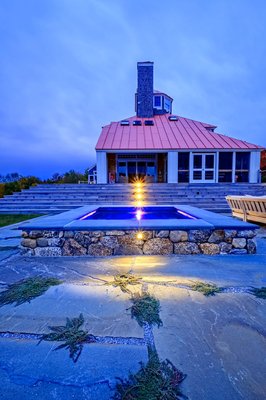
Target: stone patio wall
(116, 242)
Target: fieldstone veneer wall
(118, 242)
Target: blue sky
(69, 67)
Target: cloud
(69, 68)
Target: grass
(27, 289)
(154, 381)
(259, 292)
(208, 289)
(72, 335)
(9, 219)
(123, 280)
(146, 309)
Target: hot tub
(126, 230)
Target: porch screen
(225, 166)
(242, 166)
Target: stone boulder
(229, 235)
(146, 235)
(42, 242)
(35, 234)
(225, 248)
(55, 242)
(69, 234)
(30, 243)
(109, 241)
(162, 234)
(178, 236)
(96, 233)
(199, 236)
(48, 251)
(83, 240)
(73, 248)
(99, 250)
(251, 246)
(209, 248)
(239, 243)
(158, 246)
(249, 233)
(186, 248)
(50, 234)
(217, 236)
(130, 239)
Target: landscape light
(139, 235)
(139, 214)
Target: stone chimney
(144, 98)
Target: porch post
(254, 166)
(101, 167)
(234, 167)
(172, 167)
(190, 167)
(216, 171)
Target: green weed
(259, 292)
(154, 381)
(72, 335)
(27, 289)
(124, 280)
(146, 309)
(208, 289)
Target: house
(159, 146)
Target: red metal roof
(166, 135)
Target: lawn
(8, 219)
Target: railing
(92, 180)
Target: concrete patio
(219, 341)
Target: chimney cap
(145, 63)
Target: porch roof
(182, 134)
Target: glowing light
(139, 196)
(139, 214)
(88, 215)
(139, 235)
(138, 182)
(185, 214)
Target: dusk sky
(68, 67)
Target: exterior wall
(172, 166)
(101, 167)
(254, 166)
(121, 242)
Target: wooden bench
(248, 208)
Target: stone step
(121, 194)
(78, 203)
(58, 198)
